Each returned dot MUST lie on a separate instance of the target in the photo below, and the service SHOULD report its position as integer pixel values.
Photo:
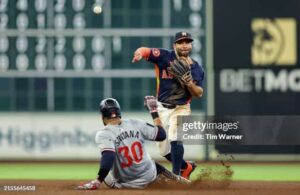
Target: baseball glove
(181, 71)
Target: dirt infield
(47, 187)
(213, 180)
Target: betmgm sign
(256, 63)
(274, 41)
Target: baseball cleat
(191, 166)
(183, 180)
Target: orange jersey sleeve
(144, 51)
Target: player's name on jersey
(126, 135)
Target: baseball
(97, 9)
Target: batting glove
(92, 185)
(150, 103)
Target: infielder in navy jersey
(174, 97)
(125, 163)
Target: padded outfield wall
(62, 136)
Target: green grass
(86, 171)
(266, 172)
(48, 171)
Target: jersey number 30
(132, 153)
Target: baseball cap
(183, 36)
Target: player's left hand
(187, 79)
(182, 71)
(92, 185)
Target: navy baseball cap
(183, 36)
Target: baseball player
(179, 78)
(125, 162)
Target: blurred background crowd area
(66, 55)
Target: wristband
(154, 115)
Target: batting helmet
(110, 108)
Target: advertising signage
(256, 57)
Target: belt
(169, 106)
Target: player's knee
(164, 150)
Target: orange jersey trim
(157, 79)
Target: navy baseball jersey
(169, 90)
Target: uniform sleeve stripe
(150, 125)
